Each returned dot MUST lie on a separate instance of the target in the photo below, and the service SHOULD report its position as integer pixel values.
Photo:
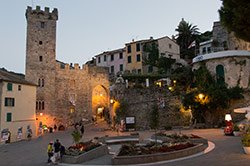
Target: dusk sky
(88, 27)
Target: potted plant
(236, 131)
(246, 142)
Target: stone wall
(236, 69)
(141, 100)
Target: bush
(236, 128)
(246, 140)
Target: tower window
(42, 24)
(40, 58)
(40, 42)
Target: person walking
(50, 151)
(82, 130)
(57, 147)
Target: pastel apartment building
(17, 106)
(114, 60)
(135, 54)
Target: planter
(92, 154)
(140, 159)
(246, 150)
(237, 133)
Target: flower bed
(84, 151)
(81, 147)
(132, 149)
(173, 146)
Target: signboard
(130, 123)
(130, 120)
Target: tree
(154, 119)
(154, 59)
(234, 15)
(187, 33)
(76, 136)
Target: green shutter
(9, 117)
(9, 86)
(220, 74)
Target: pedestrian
(55, 127)
(82, 129)
(50, 151)
(57, 146)
(62, 151)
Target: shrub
(246, 140)
(236, 128)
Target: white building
(114, 60)
(17, 106)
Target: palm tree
(187, 33)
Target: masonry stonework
(66, 90)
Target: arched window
(39, 82)
(42, 84)
(220, 75)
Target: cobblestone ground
(228, 150)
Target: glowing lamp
(228, 117)
(41, 114)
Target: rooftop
(221, 54)
(13, 77)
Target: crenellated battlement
(60, 66)
(41, 14)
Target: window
(129, 49)
(9, 117)
(99, 59)
(112, 57)
(40, 105)
(129, 59)
(220, 75)
(105, 58)
(41, 82)
(139, 71)
(112, 69)
(150, 69)
(9, 86)
(19, 87)
(138, 57)
(42, 24)
(209, 50)
(204, 50)
(40, 42)
(121, 55)
(40, 58)
(138, 47)
(121, 67)
(9, 102)
(170, 46)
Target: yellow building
(133, 61)
(17, 107)
(135, 54)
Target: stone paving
(228, 150)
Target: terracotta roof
(13, 77)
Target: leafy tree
(154, 59)
(121, 112)
(234, 15)
(187, 33)
(76, 136)
(216, 97)
(154, 119)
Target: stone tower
(41, 55)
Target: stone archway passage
(100, 102)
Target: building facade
(17, 106)
(66, 93)
(230, 67)
(114, 60)
(135, 53)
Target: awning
(242, 110)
